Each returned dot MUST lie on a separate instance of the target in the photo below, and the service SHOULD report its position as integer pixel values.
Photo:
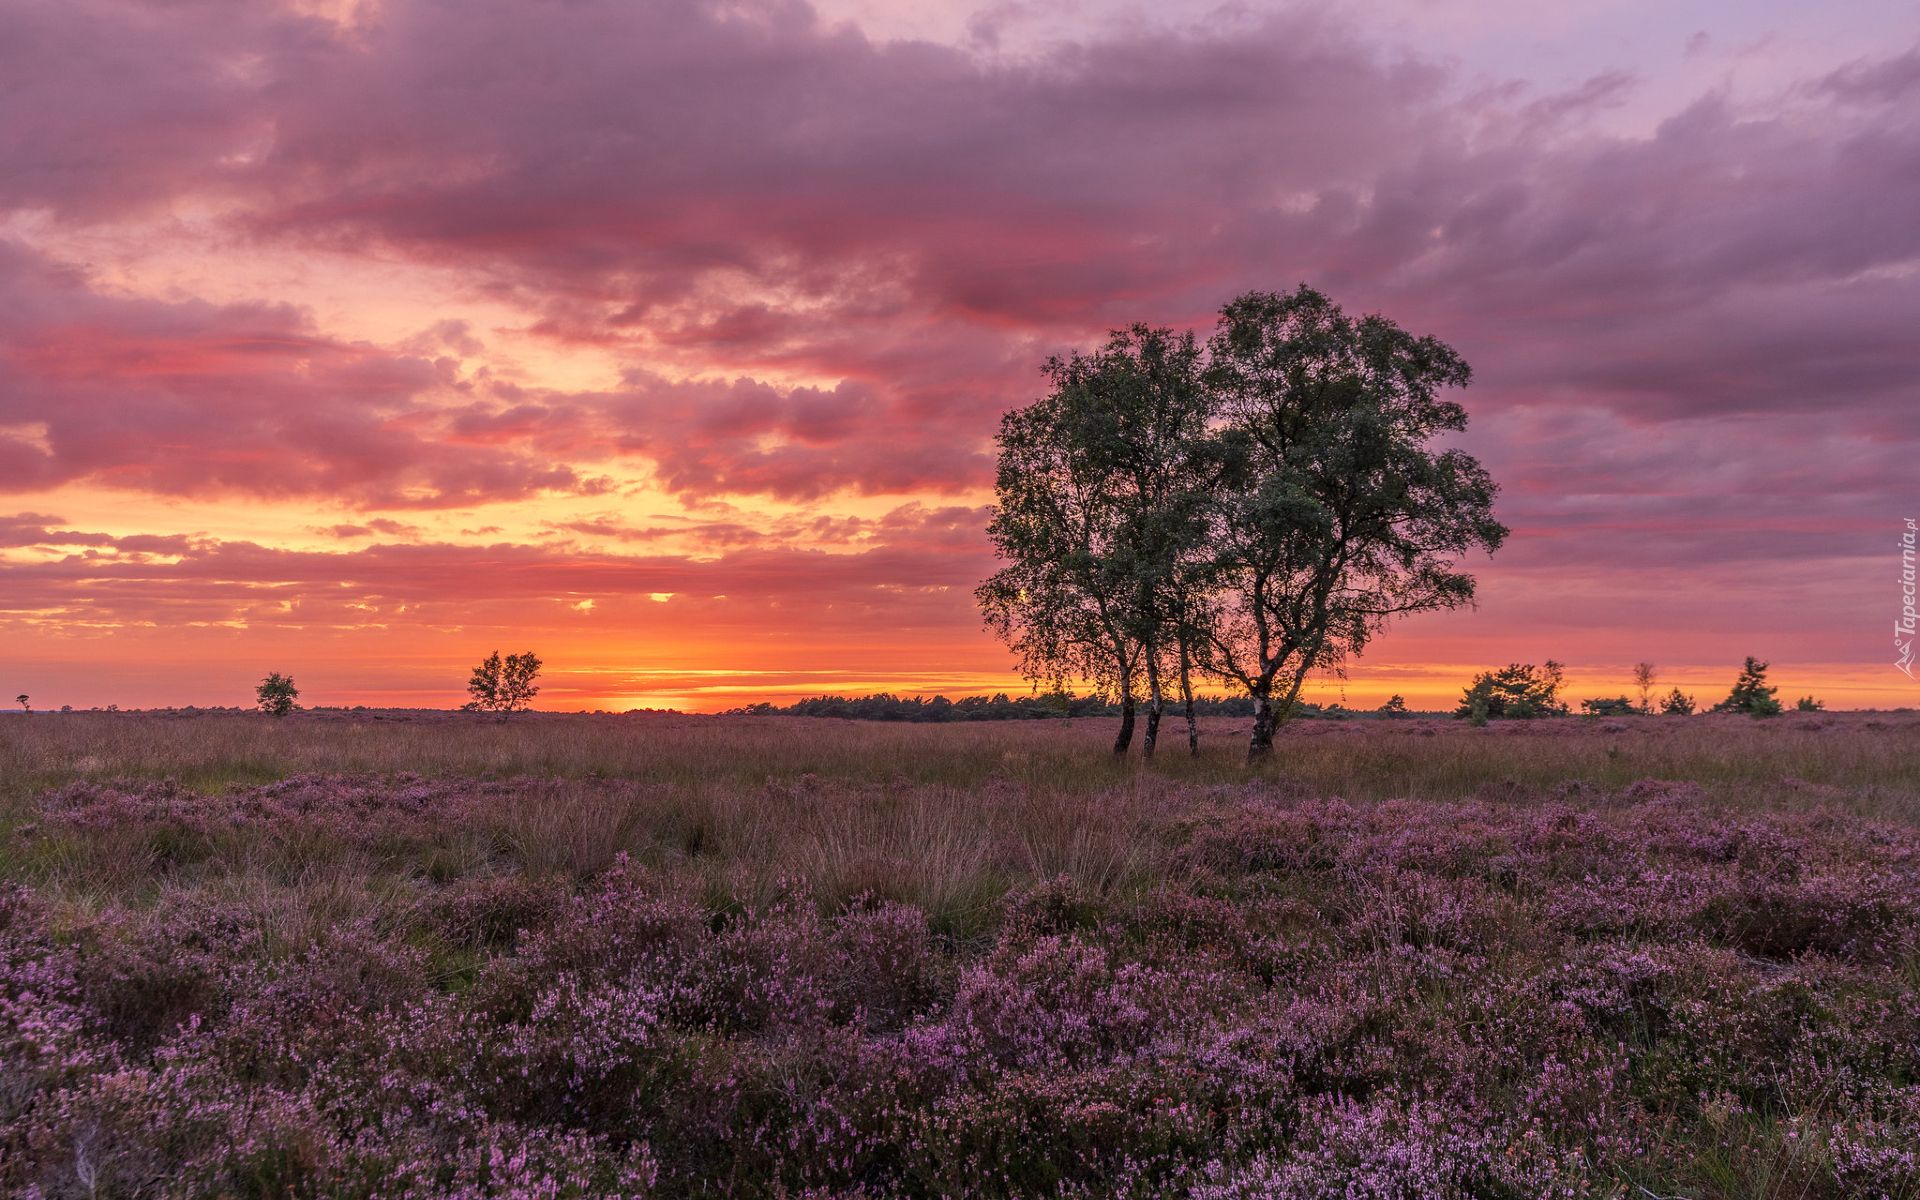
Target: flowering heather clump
(389, 986)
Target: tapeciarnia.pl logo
(1903, 628)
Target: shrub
(1809, 704)
(1514, 692)
(883, 706)
(1618, 706)
(1751, 694)
(1677, 704)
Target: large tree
(1099, 514)
(1338, 513)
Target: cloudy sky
(667, 338)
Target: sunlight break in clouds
(358, 341)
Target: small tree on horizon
(1677, 704)
(1396, 706)
(22, 698)
(504, 686)
(276, 694)
(1645, 675)
(1809, 704)
(1751, 693)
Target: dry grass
(946, 818)
(1862, 761)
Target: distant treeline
(884, 706)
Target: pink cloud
(1695, 346)
(916, 571)
(745, 437)
(182, 397)
(37, 529)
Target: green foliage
(918, 710)
(504, 687)
(1677, 704)
(1617, 706)
(1751, 694)
(938, 709)
(1100, 486)
(1516, 692)
(1809, 704)
(276, 694)
(1336, 513)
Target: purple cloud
(1694, 345)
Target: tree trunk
(1125, 738)
(1261, 744)
(1186, 694)
(1153, 707)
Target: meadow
(391, 954)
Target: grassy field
(1868, 756)
(383, 954)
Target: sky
(356, 339)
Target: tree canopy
(1337, 514)
(1098, 485)
(1519, 692)
(276, 694)
(506, 686)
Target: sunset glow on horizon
(667, 338)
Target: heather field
(356, 954)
